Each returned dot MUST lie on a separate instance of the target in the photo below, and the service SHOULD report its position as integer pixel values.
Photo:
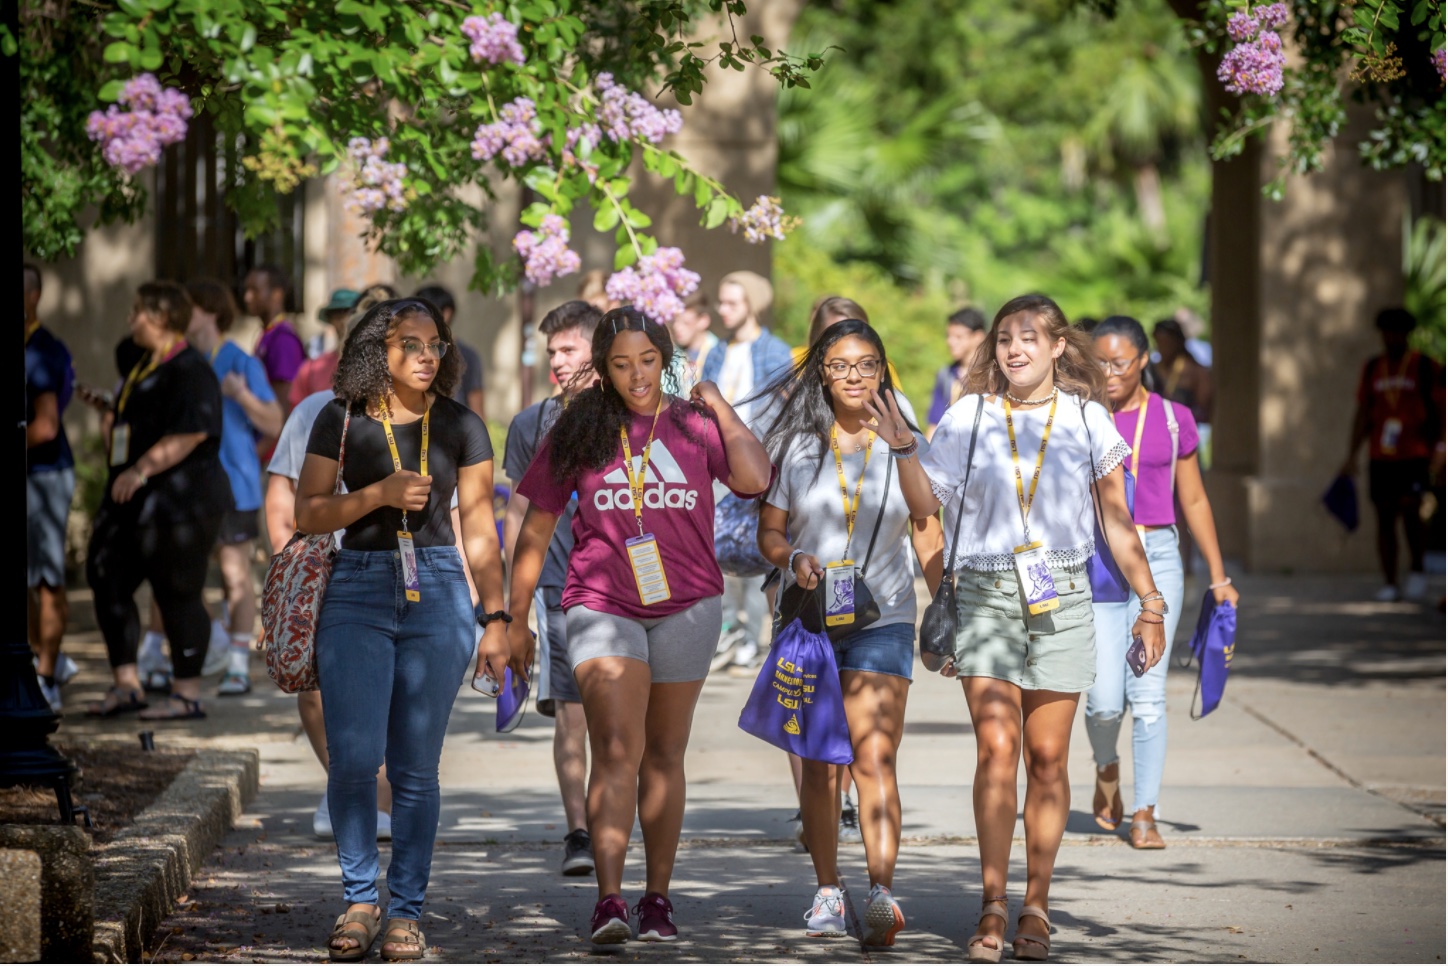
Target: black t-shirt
(455, 437)
(181, 396)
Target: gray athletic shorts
(676, 648)
(47, 494)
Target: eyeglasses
(1118, 367)
(412, 348)
(867, 368)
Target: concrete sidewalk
(1304, 819)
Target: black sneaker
(577, 853)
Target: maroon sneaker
(656, 919)
(610, 921)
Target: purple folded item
(512, 702)
(1342, 502)
(1212, 645)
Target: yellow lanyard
(1393, 389)
(392, 444)
(852, 507)
(143, 369)
(636, 484)
(1140, 428)
(31, 329)
(1028, 501)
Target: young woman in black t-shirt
(396, 628)
(165, 496)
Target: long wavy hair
(362, 373)
(585, 437)
(806, 412)
(1077, 371)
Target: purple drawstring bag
(512, 702)
(796, 703)
(1212, 645)
(1108, 583)
(1342, 502)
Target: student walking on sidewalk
(835, 501)
(1163, 459)
(1042, 457)
(641, 599)
(395, 631)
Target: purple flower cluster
(133, 139)
(1255, 65)
(657, 286)
(1438, 62)
(376, 182)
(763, 220)
(514, 135)
(494, 39)
(624, 114)
(588, 133)
(545, 252)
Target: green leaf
(151, 58)
(718, 211)
(1420, 12)
(638, 219)
(118, 52)
(605, 218)
(624, 257)
(111, 90)
(248, 38)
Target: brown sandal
(407, 934)
(360, 927)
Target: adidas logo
(662, 470)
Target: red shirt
(314, 376)
(1404, 403)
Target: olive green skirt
(1054, 651)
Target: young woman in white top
(835, 483)
(1025, 657)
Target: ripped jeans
(1116, 686)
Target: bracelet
(1148, 610)
(1218, 586)
(790, 566)
(140, 475)
(1145, 621)
(485, 619)
(1153, 598)
(905, 452)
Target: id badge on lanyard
(1034, 574)
(120, 443)
(406, 549)
(1392, 433)
(643, 550)
(840, 593)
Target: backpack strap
(1174, 428)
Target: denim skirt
(1054, 651)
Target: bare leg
(570, 760)
(1048, 717)
(615, 702)
(995, 712)
(235, 560)
(819, 808)
(50, 613)
(875, 709)
(661, 776)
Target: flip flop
(1108, 816)
(168, 712)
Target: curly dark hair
(362, 373)
(585, 437)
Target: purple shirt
(678, 511)
(280, 351)
(1154, 505)
(944, 395)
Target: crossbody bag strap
(884, 496)
(964, 487)
(342, 450)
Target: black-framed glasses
(839, 369)
(412, 348)
(1118, 367)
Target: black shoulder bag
(941, 621)
(867, 610)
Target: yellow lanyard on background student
(1032, 569)
(1136, 448)
(121, 431)
(852, 507)
(31, 329)
(405, 547)
(643, 550)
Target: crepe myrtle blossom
(134, 137)
(1254, 65)
(514, 135)
(545, 252)
(763, 220)
(623, 114)
(494, 39)
(656, 286)
(376, 182)
(1438, 62)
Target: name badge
(648, 569)
(1392, 433)
(120, 443)
(1035, 577)
(840, 593)
(409, 566)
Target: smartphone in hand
(485, 684)
(97, 399)
(1136, 656)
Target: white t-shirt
(736, 378)
(1062, 517)
(291, 448)
(810, 494)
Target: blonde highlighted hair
(1077, 371)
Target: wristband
(141, 475)
(485, 619)
(905, 452)
(1218, 586)
(790, 566)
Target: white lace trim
(1112, 459)
(942, 492)
(1071, 559)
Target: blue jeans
(390, 670)
(887, 649)
(1116, 685)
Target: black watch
(485, 619)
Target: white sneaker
(850, 822)
(51, 692)
(826, 918)
(218, 650)
(322, 820)
(883, 918)
(65, 669)
(796, 832)
(384, 827)
(1388, 594)
(1416, 586)
(152, 658)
